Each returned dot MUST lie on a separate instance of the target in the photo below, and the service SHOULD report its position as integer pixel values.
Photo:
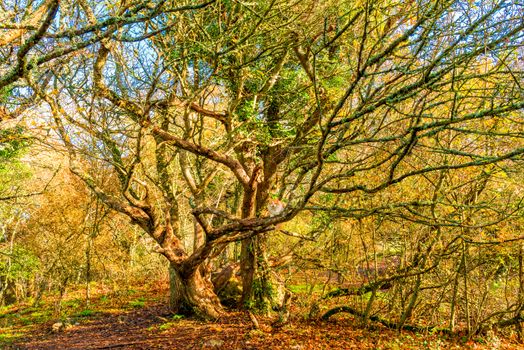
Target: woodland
(353, 166)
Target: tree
(39, 35)
(221, 106)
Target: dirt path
(152, 327)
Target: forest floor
(139, 319)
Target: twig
(253, 320)
(296, 235)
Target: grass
(177, 317)
(43, 314)
(85, 313)
(18, 321)
(138, 303)
(304, 288)
(7, 337)
(166, 326)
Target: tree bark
(257, 289)
(257, 280)
(247, 271)
(192, 294)
(247, 252)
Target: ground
(139, 319)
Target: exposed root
(384, 322)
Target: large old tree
(212, 109)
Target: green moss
(263, 294)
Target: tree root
(414, 328)
(342, 292)
(384, 322)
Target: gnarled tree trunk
(257, 283)
(192, 294)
